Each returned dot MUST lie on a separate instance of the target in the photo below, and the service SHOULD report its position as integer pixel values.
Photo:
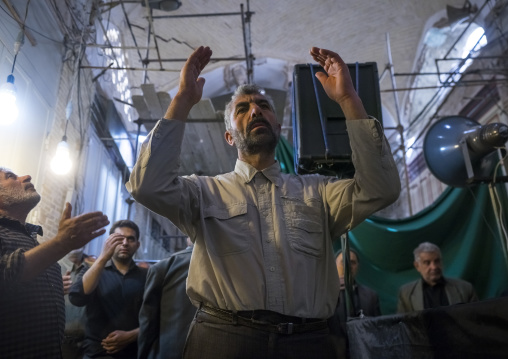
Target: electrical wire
(498, 206)
(30, 28)
(491, 230)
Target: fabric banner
(474, 330)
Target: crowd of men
(260, 278)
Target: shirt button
(272, 269)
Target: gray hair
(425, 247)
(241, 91)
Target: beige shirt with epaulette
(263, 239)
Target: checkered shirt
(32, 314)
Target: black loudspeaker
(320, 140)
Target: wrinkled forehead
(430, 255)
(250, 98)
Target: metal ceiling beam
(461, 83)
(105, 46)
(197, 15)
(126, 68)
(213, 59)
(246, 20)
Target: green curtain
(461, 222)
(284, 154)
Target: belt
(267, 320)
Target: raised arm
(154, 180)
(191, 85)
(73, 233)
(337, 83)
(92, 275)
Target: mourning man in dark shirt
(112, 290)
(365, 303)
(32, 308)
(432, 289)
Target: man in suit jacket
(166, 312)
(432, 289)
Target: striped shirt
(32, 314)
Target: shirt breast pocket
(304, 226)
(228, 229)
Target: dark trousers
(211, 337)
(72, 348)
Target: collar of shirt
(440, 283)
(343, 286)
(111, 264)
(247, 172)
(15, 224)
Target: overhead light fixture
(8, 91)
(8, 102)
(61, 164)
(165, 5)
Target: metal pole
(348, 278)
(150, 22)
(195, 15)
(127, 68)
(247, 42)
(214, 59)
(400, 128)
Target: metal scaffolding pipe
(183, 60)
(196, 15)
(126, 68)
(150, 22)
(105, 46)
(247, 43)
(399, 125)
(450, 84)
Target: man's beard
(252, 144)
(123, 257)
(19, 198)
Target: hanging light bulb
(8, 102)
(8, 90)
(61, 164)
